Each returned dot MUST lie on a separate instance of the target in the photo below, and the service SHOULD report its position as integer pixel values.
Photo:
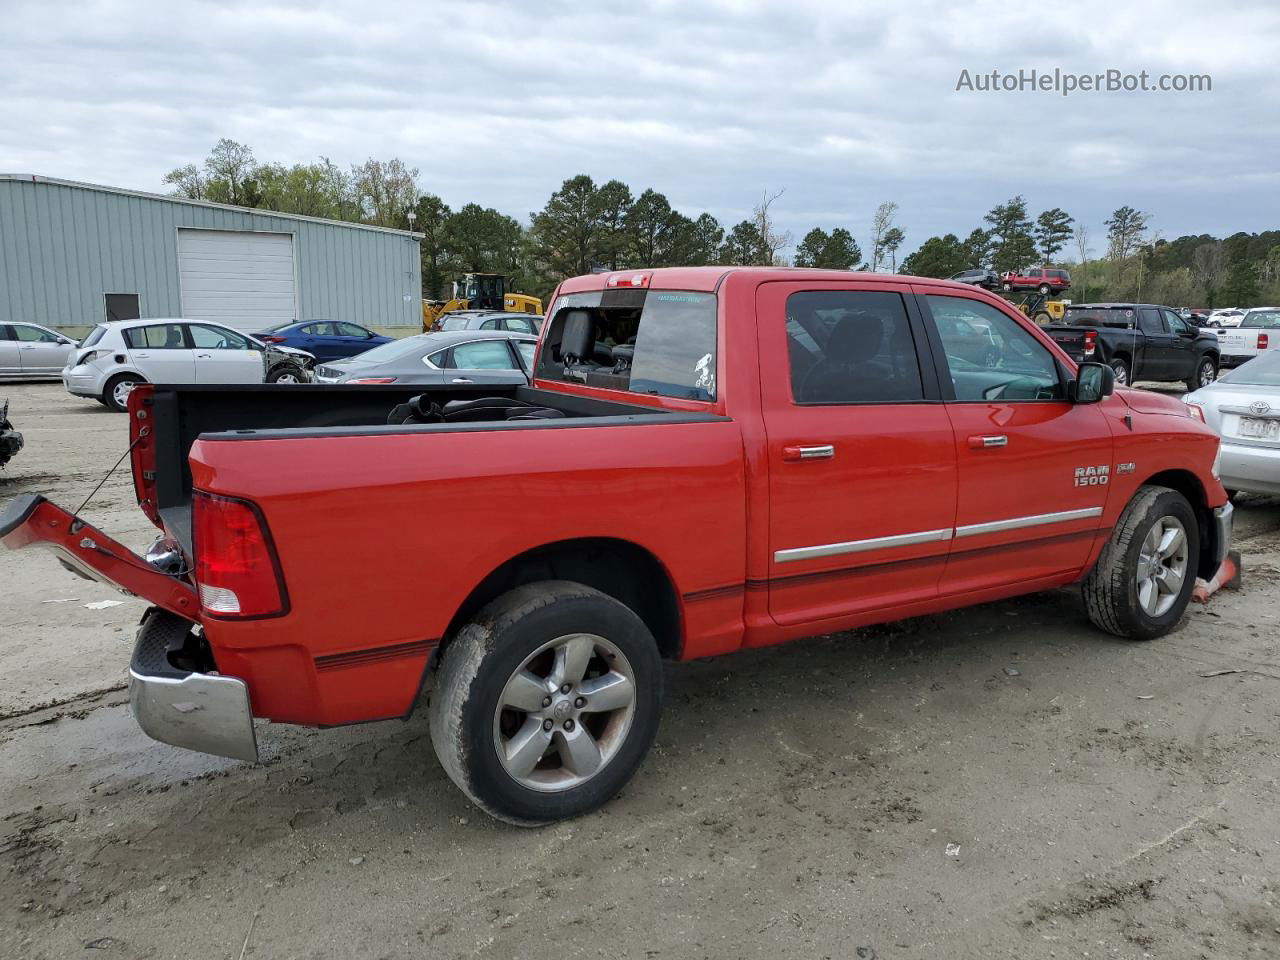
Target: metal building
(75, 254)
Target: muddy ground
(1107, 798)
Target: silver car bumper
(197, 711)
(1222, 524)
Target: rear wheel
(1043, 319)
(1044, 289)
(116, 393)
(547, 702)
(1205, 373)
(1147, 570)
(1121, 368)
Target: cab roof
(708, 279)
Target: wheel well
(1188, 484)
(620, 569)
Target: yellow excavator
(478, 291)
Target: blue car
(326, 339)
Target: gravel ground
(998, 782)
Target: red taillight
(372, 380)
(628, 280)
(236, 569)
(1262, 341)
(272, 339)
(1090, 342)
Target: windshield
(1264, 371)
(1263, 319)
(94, 336)
(658, 342)
(393, 350)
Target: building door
(240, 279)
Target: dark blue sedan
(327, 339)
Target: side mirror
(1093, 382)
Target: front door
(1034, 469)
(1158, 353)
(41, 351)
(225, 356)
(861, 465)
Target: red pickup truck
(707, 459)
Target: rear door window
(851, 347)
(482, 355)
(161, 336)
(1149, 321)
(658, 342)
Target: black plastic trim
(17, 511)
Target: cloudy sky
(842, 104)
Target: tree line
(587, 226)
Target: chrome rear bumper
(197, 711)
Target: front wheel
(286, 374)
(1121, 370)
(1205, 373)
(1043, 289)
(1144, 576)
(547, 702)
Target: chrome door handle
(460, 380)
(204, 356)
(27, 346)
(988, 442)
(821, 451)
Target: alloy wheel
(1122, 374)
(1162, 566)
(1206, 373)
(120, 393)
(564, 714)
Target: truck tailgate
(1075, 341)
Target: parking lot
(999, 781)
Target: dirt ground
(1107, 799)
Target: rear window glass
(94, 336)
(1263, 371)
(659, 342)
(454, 323)
(395, 349)
(1263, 319)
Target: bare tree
(385, 190)
(1082, 248)
(881, 224)
(771, 241)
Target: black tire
(1043, 319)
(1044, 289)
(1121, 367)
(1007, 287)
(1110, 589)
(484, 656)
(286, 369)
(1205, 373)
(109, 392)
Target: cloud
(709, 101)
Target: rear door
(1157, 357)
(160, 352)
(483, 361)
(10, 365)
(859, 451)
(225, 356)
(1033, 469)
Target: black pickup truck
(1141, 341)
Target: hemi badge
(1124, 468)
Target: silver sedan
(1244, 408)
(29, 351)
(462, 356)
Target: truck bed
(180, 415)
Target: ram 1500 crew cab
(706, 459)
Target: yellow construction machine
(478, 291)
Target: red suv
(1041, 279)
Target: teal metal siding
(63, 246)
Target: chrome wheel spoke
(613, 691)
(572, 658)
(526, 748)
(1147, 594)
(1170, 541)
(1169, 581)
(579, 751)
(525, 692)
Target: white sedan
(116, 357)
(29, 351)
(1243, 406)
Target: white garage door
(244, 280)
